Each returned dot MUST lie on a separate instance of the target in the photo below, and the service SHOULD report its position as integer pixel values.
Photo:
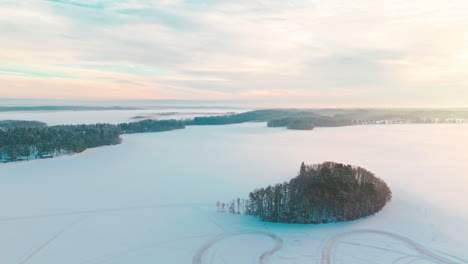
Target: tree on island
(321, 193)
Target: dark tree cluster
(7, 124)
(251, 116)
(308, 123)
(25, 143)
(290, 118)
(322, 193)
(18, 142)
(301, 124)
(149, 125)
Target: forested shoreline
(27, 141)
(6, 124)
(307, 119)
(23, 140)
(148, 125)
(321, 193)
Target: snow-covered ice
(152, 198)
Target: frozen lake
(152, 198)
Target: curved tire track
(331, 242)
(198, 257)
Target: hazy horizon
(239, 104)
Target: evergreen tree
(302, 171)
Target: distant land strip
(27, 140)
(64, 108)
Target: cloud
(328, 51)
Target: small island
(322, 193)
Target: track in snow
(198, 257)
(44, 245)
(331, 242)
(95, 211)
(48, 242)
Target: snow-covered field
(152, 198)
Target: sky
(318, 53)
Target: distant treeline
(322, 193)
(409, 115)
(6, 124)
(42, 141)
(23, 143)
(149, 125)
(308, 123)
(251, 116)
(306, 119)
